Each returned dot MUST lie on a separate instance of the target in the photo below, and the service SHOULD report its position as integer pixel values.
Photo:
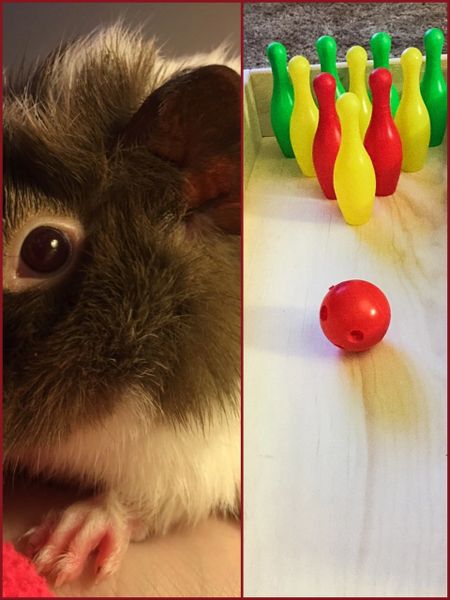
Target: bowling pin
(382, 140)
(433, 86)
(380, 44)
(327, 51)
(328, 135)
(357, 62)
(354, 175)
(282, 101)
(412, 120)
(305, 115)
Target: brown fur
(152, 304)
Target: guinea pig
(121, 280)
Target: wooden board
(344, 455)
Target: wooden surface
(345, 455)
(199, 562)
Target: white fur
(163, 475)
(132, 49)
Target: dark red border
(219, 1)
(129, 1)
(242, 237)
(1, 296)
(242, 303)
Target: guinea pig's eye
(42, 252)
(46, 249)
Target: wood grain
(345, 455)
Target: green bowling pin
(282, 101)
(380, 44)
(433, 86)
(327, 51)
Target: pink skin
(61, 545)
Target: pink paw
(60, 547)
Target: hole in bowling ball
(323, 313)
(356, 336)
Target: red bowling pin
(328, 135)
(382, 140)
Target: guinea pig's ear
(193, 121)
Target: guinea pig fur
(122, 364)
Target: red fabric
(20, 578)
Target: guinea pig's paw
(63, 543)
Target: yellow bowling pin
(357, 62)
(412, 118)
(354, 175)
(305, 115)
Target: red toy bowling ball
(355, 315)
